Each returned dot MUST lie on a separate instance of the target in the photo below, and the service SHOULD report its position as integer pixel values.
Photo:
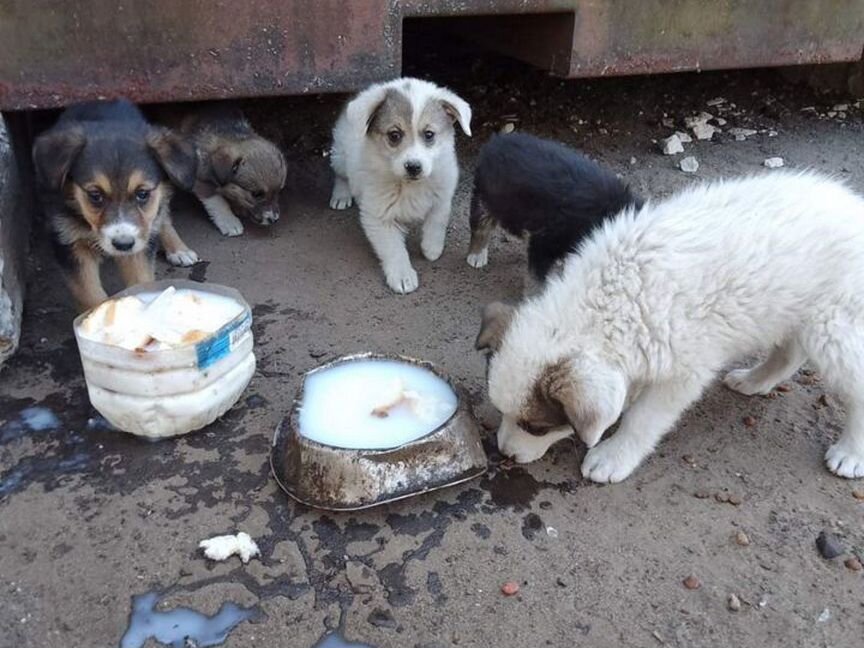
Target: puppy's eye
(394, 137)
(142, 195)
(429, 135)
(96, 197)
(258, 195)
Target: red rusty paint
(54, 52)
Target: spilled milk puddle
(181, 627)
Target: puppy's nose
(413, 168)
(123, 243)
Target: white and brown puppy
(393, 152)
(656, 301)
(240, 173)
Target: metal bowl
(340, 479)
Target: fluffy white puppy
(658, 300)
(393, 152)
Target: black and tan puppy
(239, 172)
(103, 174)
(543, 191)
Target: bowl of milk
(168, 357)
(371, 428)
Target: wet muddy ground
(90, 518)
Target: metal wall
(54, 52)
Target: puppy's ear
(176, 156)
(592, 399)
(456, 108)
(53, 155)
(224, 163)
(362, 110)
(496, 320)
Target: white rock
(824, 616)
(716, 101)
(509, 127)
(720, 121)
(668, 122)
(841, 107)
(223, 547)
(694, 120)
(774, 162)
(632, 160)
(684, 137)
(689, 164)
(704, 131)
(741, 134)
(672, 145)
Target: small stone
(684, 137)
(749, 421)
(381, 618)
(742, 539)
(721, 496)
(632, 161)
(824, 616)
(560, 582)
(510, 588)
(829, 545)
(689, 165)
(741, 134)
(509, 127)
(735, 500)
(858, 494)
(734, 603)
(853, 563)
(702, 494)
(841, 107)
(691, 582)
(668, 122)
(717, 101)
(696, 120)
(704, 131)
(672, 145)
(773, 162)
(784, 388)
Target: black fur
(546, 191)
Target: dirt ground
(90, 518)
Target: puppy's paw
(432, 250)
(340, 200)
(610, 462)
(182, 258)
(845, 460)
(229, 227)
(741, 381)
(478, 259)
(403, 282)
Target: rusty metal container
(340, 479)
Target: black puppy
(103, 174)
(544, 191)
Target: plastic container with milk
(168, 357)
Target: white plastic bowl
(166, 393)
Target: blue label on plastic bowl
(219, 346)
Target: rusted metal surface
(340, 479)
(54, 52)
(617, 37)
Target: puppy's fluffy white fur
(389, 202)
(657, 301)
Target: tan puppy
(239, 172)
